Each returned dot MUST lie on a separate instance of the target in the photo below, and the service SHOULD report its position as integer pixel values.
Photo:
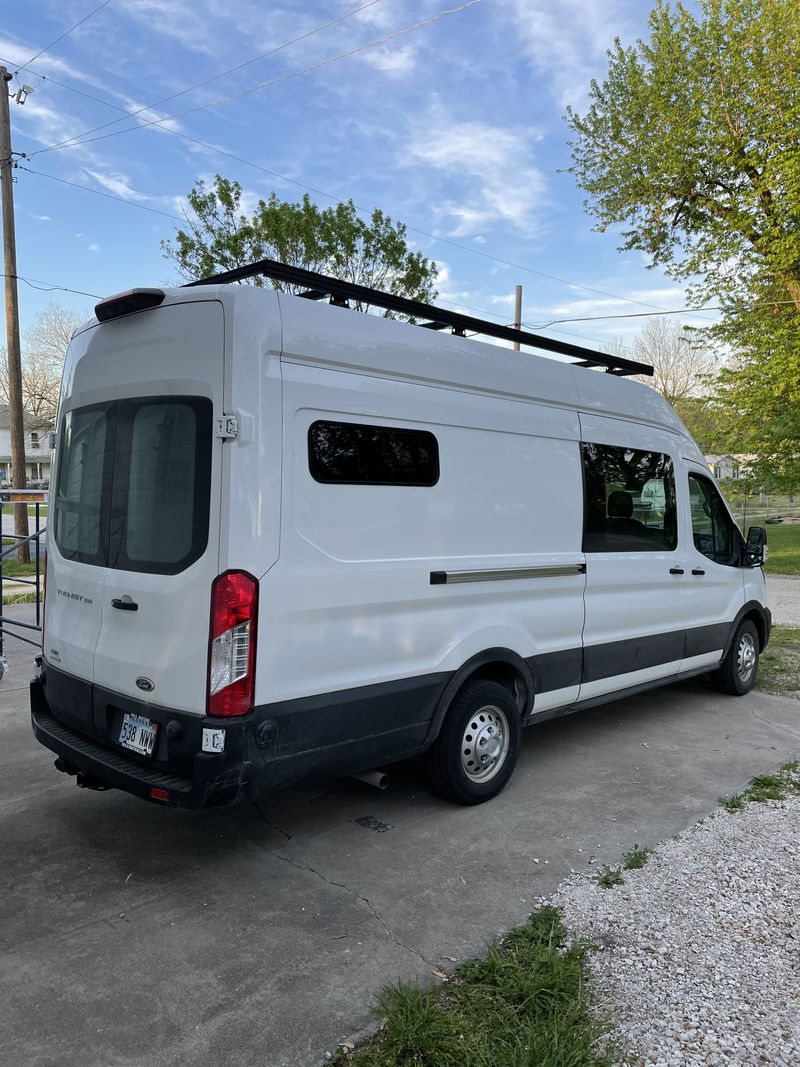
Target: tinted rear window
(142, 503)
(354, 454)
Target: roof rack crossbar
(323, 285)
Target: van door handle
(124, 603)
(676, 570)
(698, 570)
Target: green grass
(779, 666)
(784, 549)
(525, 1003)
(12, 569)
(785, 782)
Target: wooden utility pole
(15, 409)
(517, 313)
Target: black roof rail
(318, 286)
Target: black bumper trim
(110, 767)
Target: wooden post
(15, 408)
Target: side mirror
(755, 553)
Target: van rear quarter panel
(350, 603)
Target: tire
(477, 748)
(738, 671)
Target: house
(730, 466)
(38, 456)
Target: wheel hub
(746, 658)
(485, 744)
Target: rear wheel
(475, 753)
(737, 673)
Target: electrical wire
(100, 192)
(214, 77)
(654, 314)
(66, 33)
(275, 81)
(46, 287)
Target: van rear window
(352, 453)
(134, 484)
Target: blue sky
(456, 128)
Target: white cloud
(393, 61)
(94, 248)
(41, 218)
(567, 41)
(118, 184)
(497, 182)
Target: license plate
(138, 734)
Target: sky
(446, 114)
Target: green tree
(692, 146)
(219, 236)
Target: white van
(289, 541)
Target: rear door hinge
(227, 427)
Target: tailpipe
(377, 779)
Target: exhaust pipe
(377, 779)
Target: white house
(37, 449)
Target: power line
(99, 192)
(275, 81)
(66, 33)
(215, 77)
(46, 287)
(654, 314)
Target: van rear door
(158, 494)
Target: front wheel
(476, 751)
(737, 673)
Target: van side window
(713, 530)
(629, 500)
(351, 453)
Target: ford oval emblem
(145, 684)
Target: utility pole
(517, 313)
(16, 415)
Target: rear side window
(134, 484)
(352, 453)
(629, 500)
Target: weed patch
(785, 782)
(636, 858)
(779, 667)
(524, 1003)
(608, 877)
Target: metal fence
(11, 542)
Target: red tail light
(232, 644)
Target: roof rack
(319, 286)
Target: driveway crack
(363, 899)
(340, 885)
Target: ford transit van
(291, 541)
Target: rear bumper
(212, 780)
(274, 747)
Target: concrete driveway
(138, 936)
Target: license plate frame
(138, 734)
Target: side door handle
(698, 570)
(676, 570)
(124, 603)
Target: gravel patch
(698, 952)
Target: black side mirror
(755, 552)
